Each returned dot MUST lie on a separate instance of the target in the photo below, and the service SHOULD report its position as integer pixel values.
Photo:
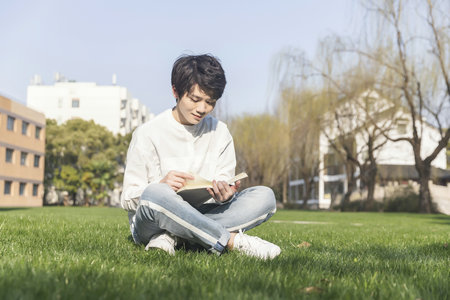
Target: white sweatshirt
(163, 144)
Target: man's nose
(201, 107)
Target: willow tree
(261, 149)
(301, 110)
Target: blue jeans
(209, 225)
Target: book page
(200, 182)
(237, 177)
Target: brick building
(22, 154)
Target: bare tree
(415, 49)
(346, 106)
(350, 132)
(409, 53)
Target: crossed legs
(210, 225)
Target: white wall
(401, 153)
(99, 103)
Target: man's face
(193, 107)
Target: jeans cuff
(221, 244)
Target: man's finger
(216, 191)
(229, 190)
(176, 185)
(222, 187)
(225, 190)
(184, 175)
(179, 180)
(210, 191)
(236, 186)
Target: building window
(22, 188)
(7, 188)
(123, 104)
(9, 155)
(401, 128)
(37, 134)
(25, 127)
(23, 158)
(36, 160)
(75, 103)
(35, 189)
(10, 123)
(60, 102)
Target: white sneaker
(164, 241)
(255, 246)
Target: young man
(186, 140)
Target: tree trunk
(370, 182)
(370, 201)
(350, 171)
(307, 193)
(346, 199)
(285, 191)
(424, 170)
(425, 196)
(425, 202)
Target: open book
(195, 191)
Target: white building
(395, 160)
(111, 106)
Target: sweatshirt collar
(190, 128)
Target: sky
(139, 41)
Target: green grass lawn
(86, 253)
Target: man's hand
(176, 180)
(222, 191)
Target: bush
(360, 205)
(405, 200)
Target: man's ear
(174, 92)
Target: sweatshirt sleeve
(142, 168)
(227, 161)
(227, 158)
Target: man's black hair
(204, 70)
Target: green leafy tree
(98, 176)
(67, 179)
(82, 154)
(121, 144)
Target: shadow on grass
(182, 245)
(6, 209)
(440, 219)
(380, 258)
